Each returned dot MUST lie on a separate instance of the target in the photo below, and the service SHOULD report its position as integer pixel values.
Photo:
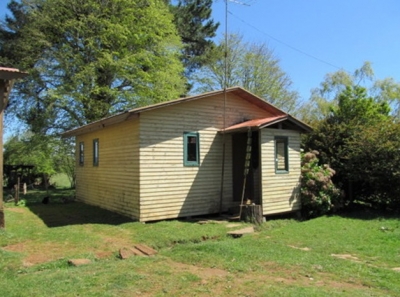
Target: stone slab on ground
(240, 232)
(148, 251)
(136, 250)
(127, 252)
(79, 262)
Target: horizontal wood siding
(168, 189)
(280, 191)
(114, 183)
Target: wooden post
(17, 191)
(2, 107)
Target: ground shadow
(60, 209)
(73, 213)
(365, 212)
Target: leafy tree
(374, 163)
(355, 107)
(49, 155)
(325, 97)
(90, 59)
(388, 90)
(337, 137)
(249, 65)
(196, 29)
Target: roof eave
(100, 124)
(11, 73)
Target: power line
(286, 44)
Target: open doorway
(252, 189)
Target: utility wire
(286, 44)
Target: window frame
(81, 159)
(285, 141)
(96, 150)
(186, 162)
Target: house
(187, 157)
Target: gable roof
(134, 113)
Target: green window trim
(81, 153)
(191, 149)
(96, 152)
(281, 154)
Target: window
(81, 153)
(191, 149)
(281, 154)
(96, 152)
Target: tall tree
(388, 90)
(249, 65)
(196, 29)
(339, 135)
(90, 59)
(326, 96)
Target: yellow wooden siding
(114, 183)
(280, 191)
(168, 189)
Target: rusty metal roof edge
(252, 124)
(11, 73)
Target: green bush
(318, 193)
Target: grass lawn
(352, 254)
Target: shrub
(318, 193)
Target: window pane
(81, 153)
(95, 152)
(192, 149)
(281, 154)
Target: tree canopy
(49, 155)
(252, 66)
(326, 95)
(196, 29)
(359, 139)
(90, 59)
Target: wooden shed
(166, 160)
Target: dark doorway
(252, 189)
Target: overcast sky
(314, 37)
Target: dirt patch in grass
(202, 272)
(16, 209)
(346, 257)
(221, 281)
(36, 253)
(306, 249)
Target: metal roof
(11, 73)
(258, 124)
(134, 113)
